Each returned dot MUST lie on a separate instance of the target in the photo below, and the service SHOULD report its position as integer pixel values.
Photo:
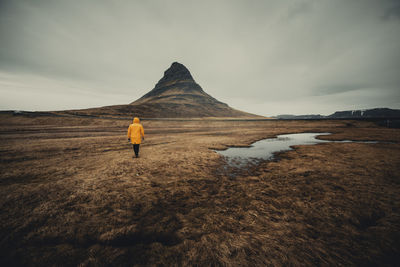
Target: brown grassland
(72, 195)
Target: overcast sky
(264, 57)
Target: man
(135, 135)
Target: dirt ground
(71, 194)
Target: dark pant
(136, 149)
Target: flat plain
(72, 194)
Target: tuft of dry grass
(71, 194)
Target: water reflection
(265, 149)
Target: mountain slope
(176, 95)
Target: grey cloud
(270, 55)
(339, 88)
(299, 8)
(392, 11)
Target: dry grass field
(72, 195)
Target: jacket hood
(136, 120)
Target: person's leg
(136, 149)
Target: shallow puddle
(265, 149)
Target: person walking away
(135, 135)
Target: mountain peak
(176, 77)
(177, 71)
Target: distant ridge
(367, 113)
(376, 113)
(299, 117)
(176, 95)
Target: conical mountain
(176, 80)
(176, 95)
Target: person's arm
(142, 132)
(129, 133)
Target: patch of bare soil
(71, 194)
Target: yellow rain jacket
(135, 132)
